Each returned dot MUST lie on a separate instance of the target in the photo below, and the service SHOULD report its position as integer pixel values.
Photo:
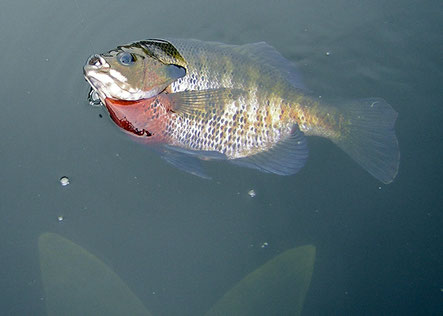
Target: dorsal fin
(266, 54)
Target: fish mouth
(94, 65)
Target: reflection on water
(374, 246)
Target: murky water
(180, 242)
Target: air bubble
(94, 98)
(64, 181)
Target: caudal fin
(368, 136)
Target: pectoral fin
(183, 161)
(203, 101)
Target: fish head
(135, 71)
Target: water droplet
(251, 193)
(64, 181)
(93, 98)
(328, 53)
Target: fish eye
(126, 59)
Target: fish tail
(367, 135)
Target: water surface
(181, 242)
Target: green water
(180, 242)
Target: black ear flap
(175, 71)
(163, 51)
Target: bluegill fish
(245, 104)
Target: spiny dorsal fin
(266, 54)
